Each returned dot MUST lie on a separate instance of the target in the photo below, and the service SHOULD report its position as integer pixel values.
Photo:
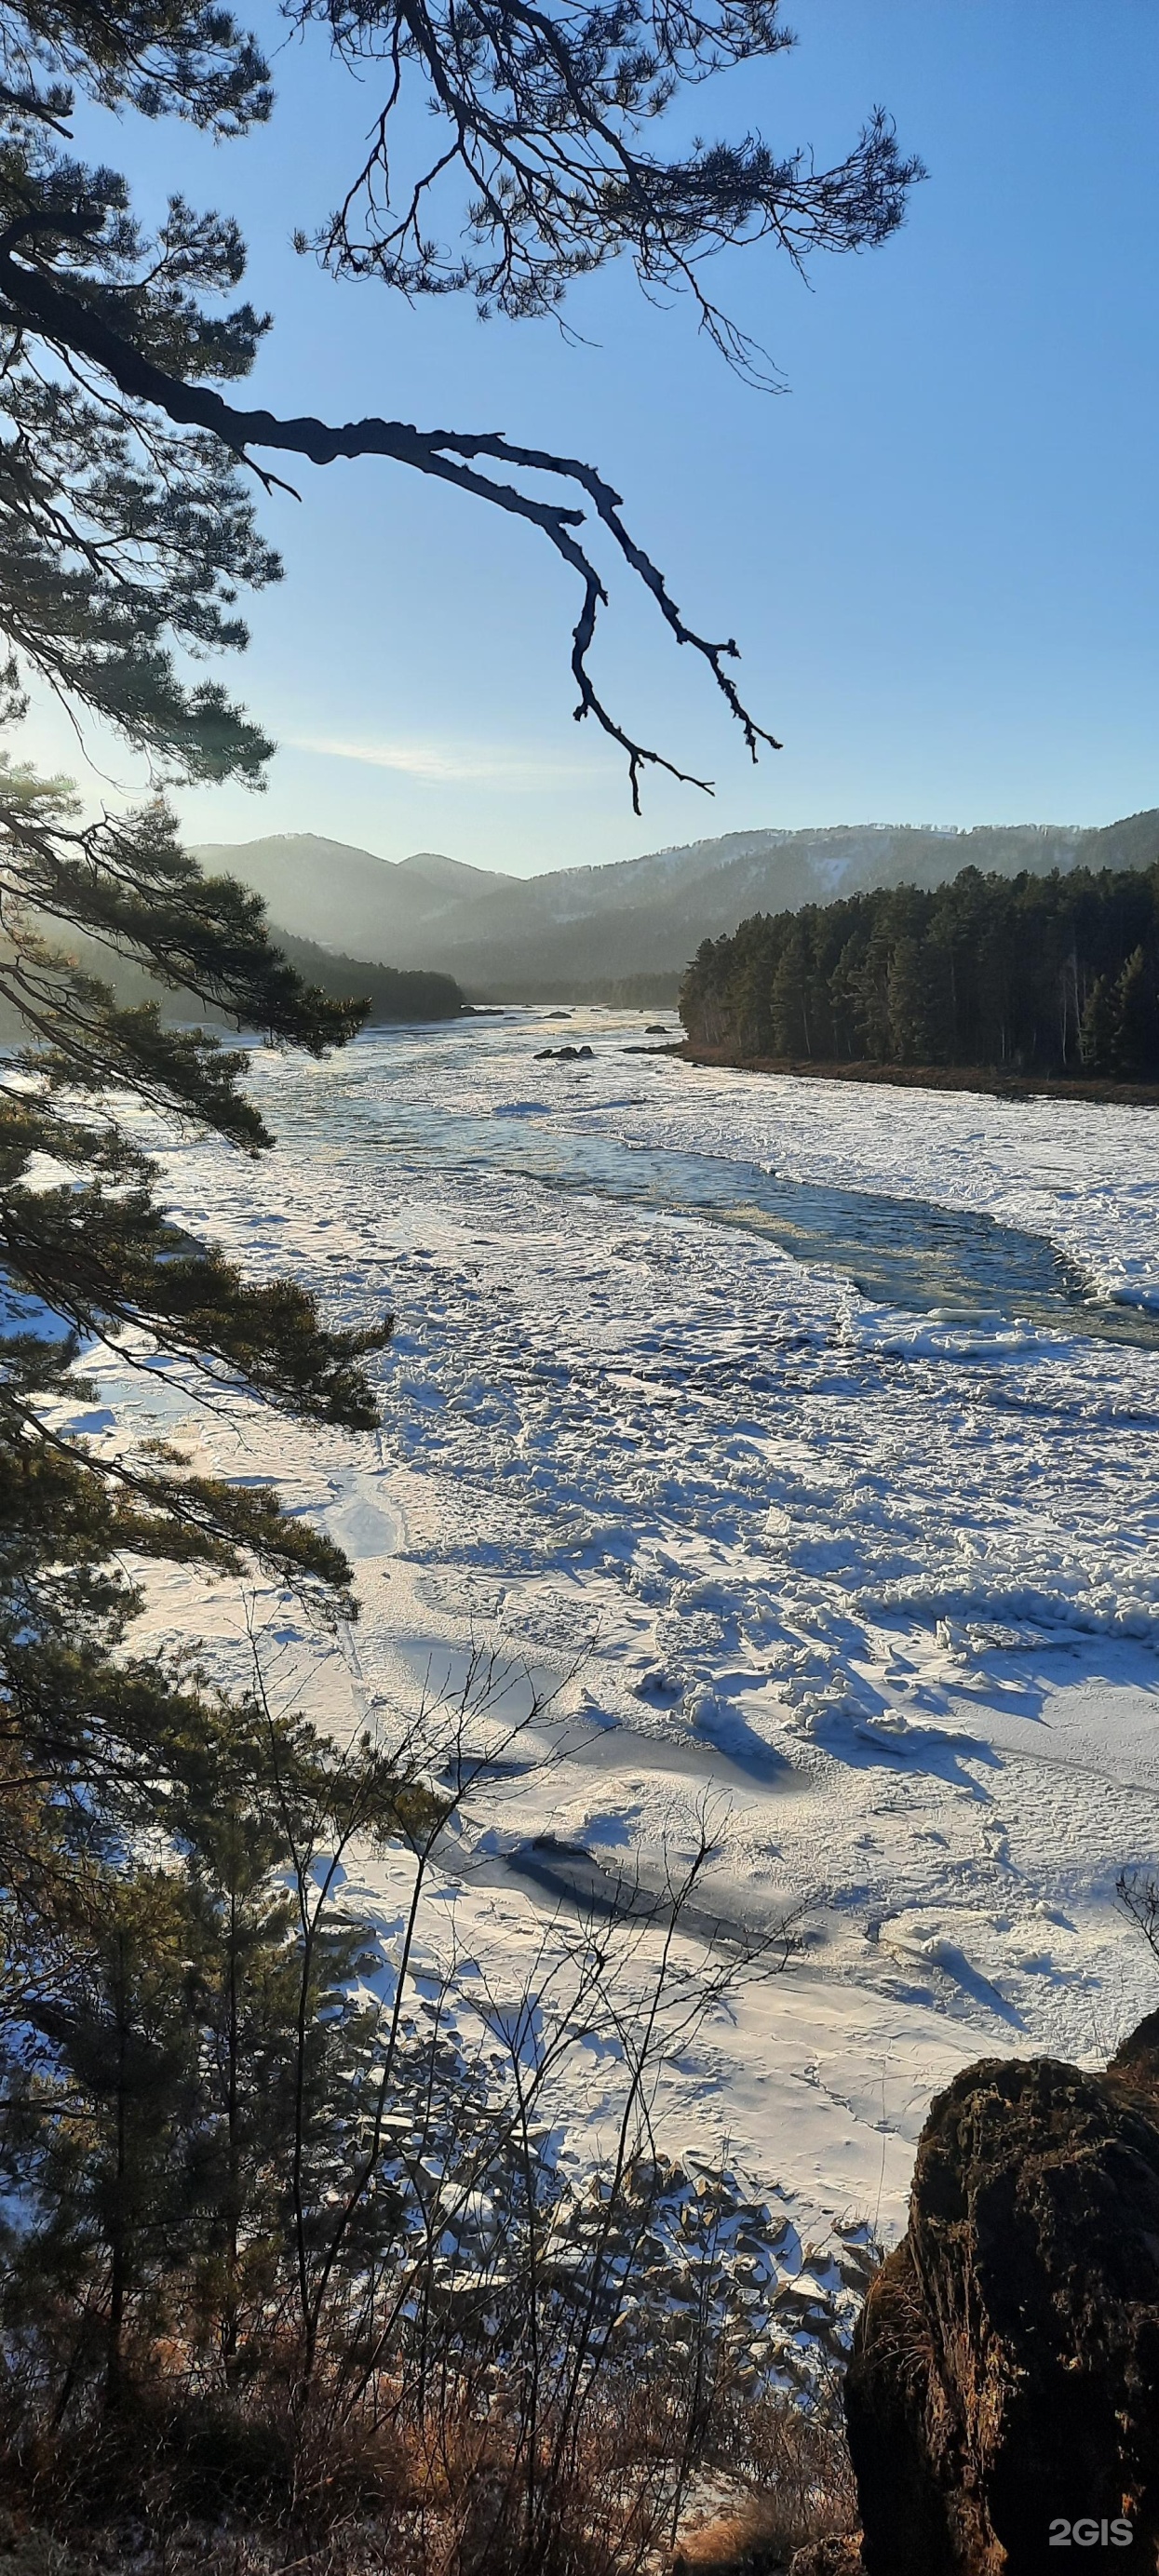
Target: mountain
(346, 898)
(628, 929)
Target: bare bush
(1137, 1896)
(382, 2302)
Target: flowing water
(949, 1263)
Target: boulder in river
(1002, 2400)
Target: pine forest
(1049, 975)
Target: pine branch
(69, 325)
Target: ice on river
(801, 1438)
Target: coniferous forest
(1045, 975)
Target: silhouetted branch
(74, 329)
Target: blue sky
(938, 549)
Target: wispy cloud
(445, 764)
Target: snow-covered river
(952, 1263)
(803, 1437)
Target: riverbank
(991, 1080)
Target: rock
(1136, 2063)
(562, 1055)
(1005, 2369)
(655, 1029)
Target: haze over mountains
(597, 932)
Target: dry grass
(800, 2489)
(741, 2544)
(167, 2486)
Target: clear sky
(938, 550)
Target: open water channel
(956, 1264)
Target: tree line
(1055, 974)
(390, 993)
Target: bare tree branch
(70, 326)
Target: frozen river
(802, 1437)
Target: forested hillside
(622, 932)
(393, 993)
(1055, 974)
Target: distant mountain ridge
(593, 932)
(347, 899)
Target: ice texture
(878, 1580)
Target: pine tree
(102, 2099)
(790, 998)
(1137, 1015)
(909, 1004)
(191, 2078)
(871, 988)
(1099, 1029)
(244, 1988)
(92, 1740)
(845, 995)
(122, 540)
